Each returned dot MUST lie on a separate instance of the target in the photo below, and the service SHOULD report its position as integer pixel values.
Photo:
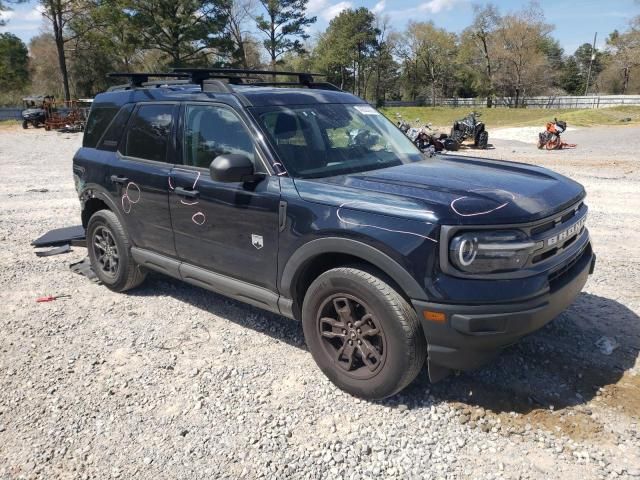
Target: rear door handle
(120, 180)
(183, 192)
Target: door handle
(183, 192)
(120, 180)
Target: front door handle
(119, 180)
(183, 192)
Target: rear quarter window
(111, 138)
(99, 119)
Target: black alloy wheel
(109, 250)
(352, 336)
(106, 251)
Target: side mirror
(231, 167)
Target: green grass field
(521, 117)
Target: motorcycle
(425, 138)
(470, 127)
(403, 125)
(550, 138)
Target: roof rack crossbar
(198, 75)
(322, 85)
(137, 79)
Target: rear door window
(149, 131)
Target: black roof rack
(138, 79)
(211, 79)
(234, 75)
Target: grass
(521, 117)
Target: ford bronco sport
(304, 200)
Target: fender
(350, 247)
(93, 190)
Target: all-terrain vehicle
(35, 112)
(263, 193)
(470, 127)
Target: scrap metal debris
(54, 251)
(83, 268)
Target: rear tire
(362, 333)
(110, 252)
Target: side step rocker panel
(230, 287)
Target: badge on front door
(257, 241)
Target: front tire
(110, 252)
(483, 140)
(362, 333)
(25, 124)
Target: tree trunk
(625, 82)
(377, 92)
(487, 60)
(414, 86)
(243, 53)
(272, 46)
(354, 76)
(433, 87)
(59, 39)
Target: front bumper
(467, 336)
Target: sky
(575, 21)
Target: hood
(451, 190)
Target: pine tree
(284, 24)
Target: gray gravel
(171, 381)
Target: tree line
(501, 53)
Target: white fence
(567, 101)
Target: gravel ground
(171, 381)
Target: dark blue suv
(305, 201)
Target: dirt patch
(624, 395)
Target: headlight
(490, 252)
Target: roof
(258, 96)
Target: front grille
(551, 233)
(557, 274)
(553, 223)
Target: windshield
(323, 140)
